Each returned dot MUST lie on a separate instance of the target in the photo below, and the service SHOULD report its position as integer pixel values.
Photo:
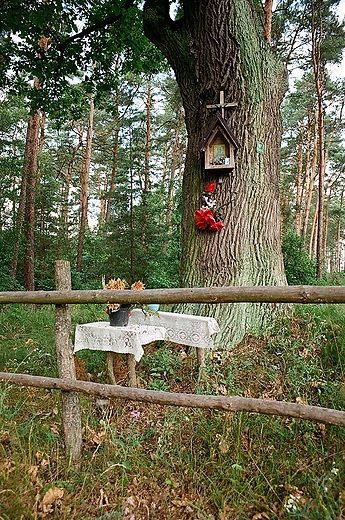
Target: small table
(127, 340)
(185, 329)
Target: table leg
(110, 367)
(131, 370)
(200, 354)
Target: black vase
(120, 317)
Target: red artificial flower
(216, 226)
(210, 187)
(204, 218)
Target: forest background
(104, 189)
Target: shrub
(299, 267)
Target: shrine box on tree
(219, 145)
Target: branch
(156, 16)
(100, 24)
(164, 32)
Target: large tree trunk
(219, 45)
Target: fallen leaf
(8, 465)
(5, 437)
(33, 470)
(52, 497)
(179, 503)
(55, 428)
(222, 389)
(98, 438)
(224, 446)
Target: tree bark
(218, 45)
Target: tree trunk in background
(321, 194)
(338, 235)
(115, 159)
(64, 209)
(299, 183)
(147, 180)
(171, 189)
(313, 232)
(268, 8)
(101, 188)
(219, 45)
(325, 227)
(307, 176)
(26, 209)
(131, 210)
(113, 175)
(310, 190)
(84, 186)
(319, 76)
(19, 225)
(30, 166)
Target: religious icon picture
(219, 151)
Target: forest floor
(145, 461)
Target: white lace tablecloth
(185, 329)
(126, 340)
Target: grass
(144, 461)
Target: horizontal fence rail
(226, 403)
(262, 294)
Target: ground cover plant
(144, 461)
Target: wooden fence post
(70, 400)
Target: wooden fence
(70, 387)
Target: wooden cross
(221, 104)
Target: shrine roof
(218, 120)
